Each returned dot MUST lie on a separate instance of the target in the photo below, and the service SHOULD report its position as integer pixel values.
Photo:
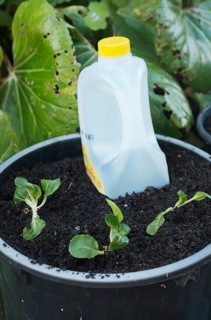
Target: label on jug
(91, 171)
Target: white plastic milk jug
(120, 150)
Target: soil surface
(78, 208)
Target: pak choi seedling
(118, 230)
(155, 225)
(86, 247)
(30, 194)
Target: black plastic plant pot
(178, 291)
(203, 125)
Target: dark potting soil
(207, 124)
(78, 208)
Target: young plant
(155, 225)
(118, 230)
(86, 247)
(30, 194)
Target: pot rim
(22, 262)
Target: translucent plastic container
(121, 153)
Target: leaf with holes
(171, 113)
(183, 39)
(8, 145)
(85, 51)
(39, 95)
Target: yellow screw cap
(113, 47)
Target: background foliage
(44, 44)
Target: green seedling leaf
(118, 230)
(198, 196)
(182, 198)
(33, 190)
(39, 95)
(84, 247)
(50, 186)
(37, 225)
(112, 221)
(123, 229)
(155, 225)
(21, 182)
(114, 235)
(116, 210)
(117, 235)
(20, 195)
(26, 192)
(118, 242)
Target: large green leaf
(203, 99)
(141, 35)
(39, 95)
(8, 145)
(183, 38)
(85, 52)
(76, 14)
(96, 17)
(171, 113)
